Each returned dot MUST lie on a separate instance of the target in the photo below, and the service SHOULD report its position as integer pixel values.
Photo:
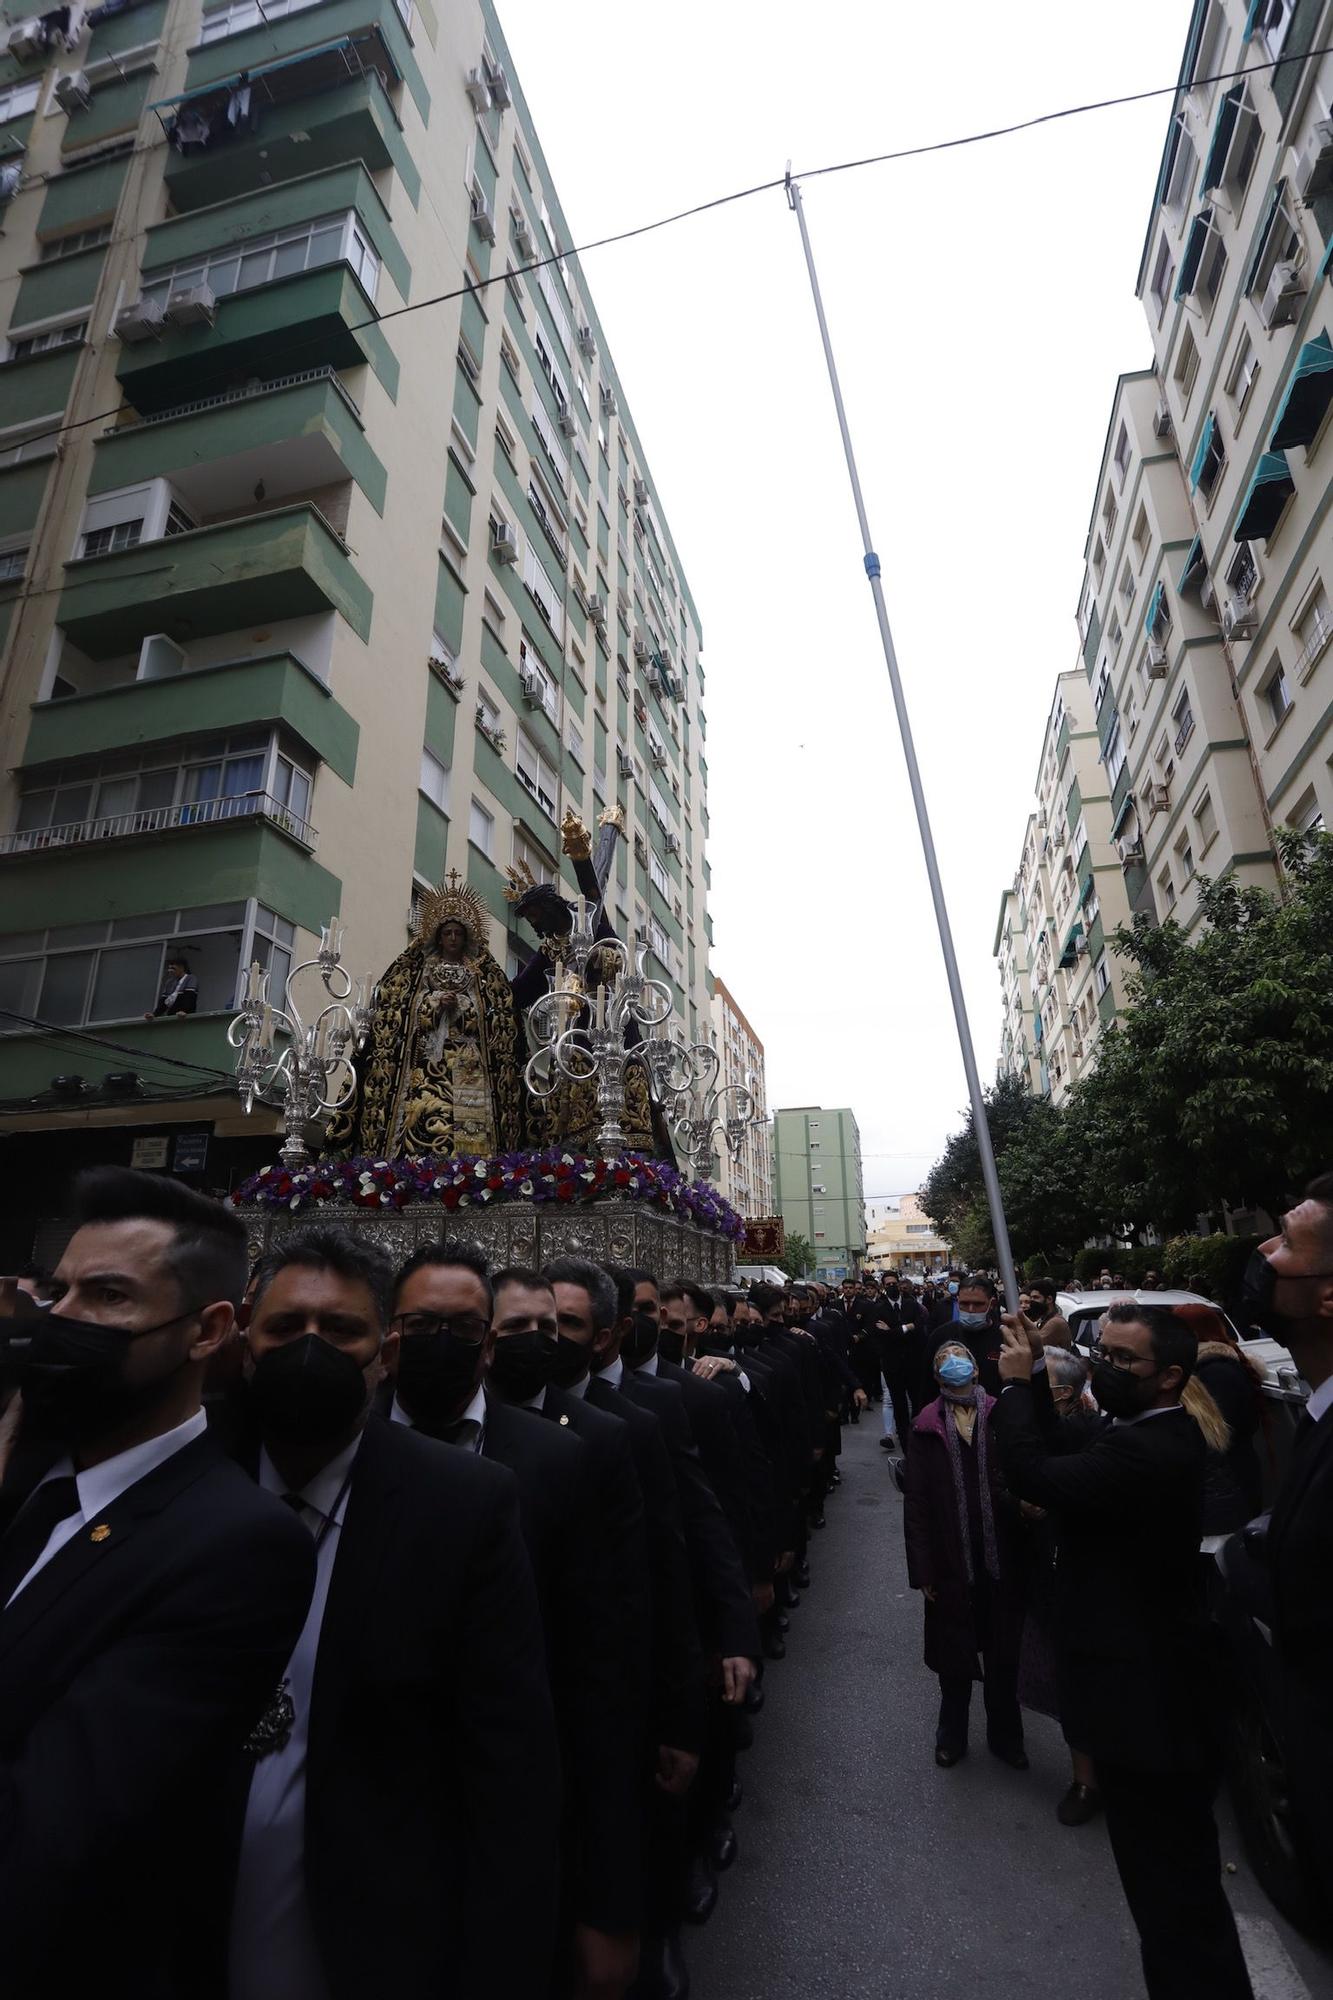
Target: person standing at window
(180, 991)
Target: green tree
(798, 1258)
(953, 1186)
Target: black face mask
(306, 1391)
(572, 1361)
(1259, 1290)
(746, 1335)
(437, 1373)
(713, 1343)
(521, 1365)
(1120, 1392)
(671, 1346)
(73, 1390)
(641, 1342)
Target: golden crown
(453, 901)
(518, 880)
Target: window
(1185, 857)
(1182, 715)
(1205, 821)
(549, 367)
(1242, 572)
(1140, 537)
(1275, 694)
(1212, 457)
(488, 714)
(535, 774)
(1212, 267)
(112, 970)
(1186, 365)
(1234, 146)
(38, 439)
(77, 241)
(1113, 756)
(18, 99)
(13, 564)
(544, 593)
(661, 881)
(1122, 454)
(1313, 629)
(1242, 374)
(1182, 165)
(1208, 51)
(68, 335)
(1163, 276)
(1108, 515)
(575, 741)
(481, 830)
(259, 260)
(106, 541)
(435, 780)
(1275, 17)
(1281, 242)
(1127, 585)
(1166, 890)
(234, 18)
(1098, 559)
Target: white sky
(982, 305)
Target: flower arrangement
(468, 1182)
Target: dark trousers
(1164, 1839)
(1004, 1718)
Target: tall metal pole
(999, 1227)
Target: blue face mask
(956, 1371)
(973, 1319)
(953, 1287)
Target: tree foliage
(1215, 1090)
(798, 1256)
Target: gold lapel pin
(101, 1533)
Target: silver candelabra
(702, 1108)
(311, 1075)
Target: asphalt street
(866, 1873)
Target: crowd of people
(400, 1631)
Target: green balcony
(297, 434)
(374, 26)
(285, 564)
(208, 701)
(332, 123)
(315, 319)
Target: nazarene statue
(441, 1072)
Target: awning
(1069, 956)
(1205, 446)
(1195, 570)
(1219, 146)
(342, 45)
(1270, 490)
(1308, 396)
(1270, 217)
(1155, 603)
(1194, 248)
(1126, 808)
(1252, 19)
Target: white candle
(601, 1006)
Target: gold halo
(452, 901)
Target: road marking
(1273, 1973)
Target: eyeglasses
(464, 1326)
(1119, 1358)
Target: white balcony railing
(160, 819)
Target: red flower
(449, 1196)
(566, 1191)
(496, 1182)
(621, 1178)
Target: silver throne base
(608, 1232)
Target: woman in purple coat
(962, 1557)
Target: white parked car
(1084, 1310)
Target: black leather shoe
(1012, 1754)
(700, 1890)
(801, 1575)
(774, 1646)
(782, 1621)
(735, 1795)
(1079, 1804)
(674, 1974)
(786, 1594)
(949, 1754)
(725, 1846)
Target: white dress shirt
(648, 1367)
(580, 1388)
(537, 1402)
(613, 1374)
(101, 1484)
(1321, 1400)
(273, 1949)
(475, 1413)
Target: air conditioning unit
(73, 91)
(534, 693)
(524, 240)
(68, 37)
(482, 219)
(565, 423)
(641, 492)
(1238, 618)
(27, 39)
(587, 343)
(1081, 946)
(1161, 420)
(1314, 176)
(1156, 659)
(195, 307)
(141, 321)
(676, 687)
(1281, 301)
(1077, 1048)
(624, 762)
(478, 90)
(1159, 799)
(609, 403)
(673, 843)
(1129, 851)
(597, 609)
(504, 542)
(1207, 595)
(498, 84)
(642, 650)
(658, 755)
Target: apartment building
(1067, 899)
(901, 1237)
(817, 1185)
(1235, 284)
(317, 511)
(746, 1176)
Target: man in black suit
(150, 1598)
(1290, 1289)
(417, 1725)
(1127, 1499)
(470, 1341)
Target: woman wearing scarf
(961, 1556)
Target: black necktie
(30, 1531)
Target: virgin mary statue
(440, 1074)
